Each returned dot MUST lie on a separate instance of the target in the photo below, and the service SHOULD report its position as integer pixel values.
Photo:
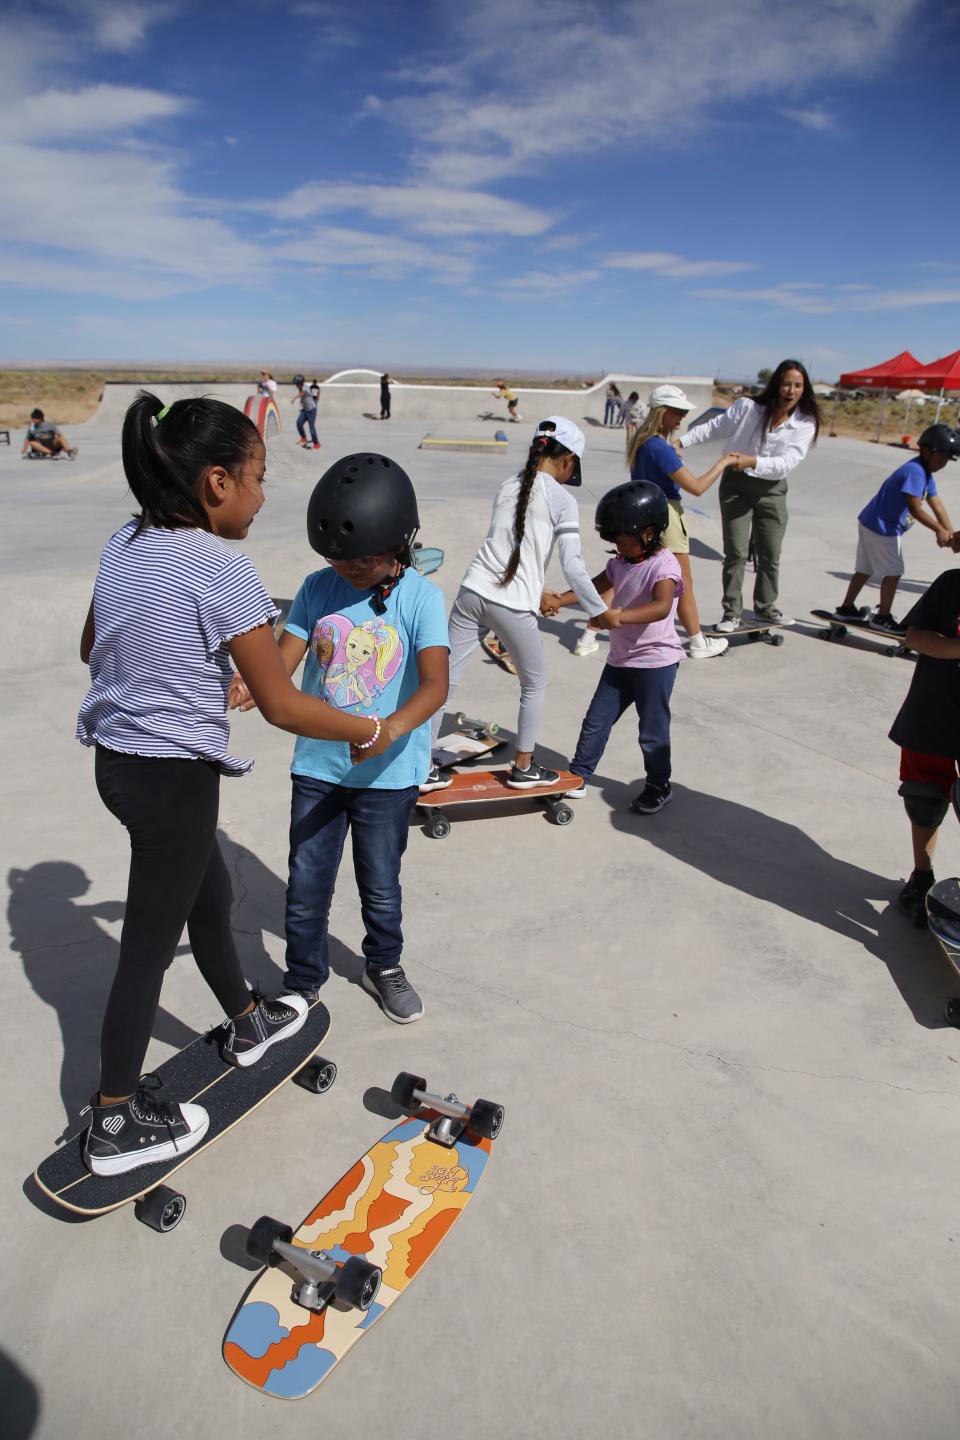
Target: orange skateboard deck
(480, 786)
(358, 1250)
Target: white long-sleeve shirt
(552, 519)
(741, 427)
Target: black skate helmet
(630, 508)
(297, 380)
(362, 505)
(942, 439)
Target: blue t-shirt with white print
(366, 664)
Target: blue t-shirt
(657, 461)
(366, 664)
(887, 512)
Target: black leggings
(177, 877)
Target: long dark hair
(770, 395)
(544, 447)
(164, 460)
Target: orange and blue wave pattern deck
(393, 1208)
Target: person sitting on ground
(885, 519)
(927, 729)
(43, 440)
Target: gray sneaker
(397, 997)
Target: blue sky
(530, 184)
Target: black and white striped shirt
(165, 605)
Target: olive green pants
(758, 507)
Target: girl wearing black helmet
(374, 635)
(172, 606)
(502, 589)
(642, 580)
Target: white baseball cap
(671, 397)
(559, 428)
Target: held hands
(383, 742)
(609, 620)
(549, 603)
(955, 542)
(946, 538)
(239, 697)
(737, 461)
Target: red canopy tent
(892, 374)
(939, 375)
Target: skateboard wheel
(951, 1012)
(562, 814)
(162, 1208)
(357, 1282)
(439, 829)
(776, 639)
(486, 1118)
(401, 1091)
(261, 1237)
(493, 730)
(317, 1076)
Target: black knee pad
(925, 803)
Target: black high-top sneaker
(141, 1130)
(250, 1036)
(913, 897)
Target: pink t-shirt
(644, 647)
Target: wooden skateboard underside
(393, 1209)
(195, 1073)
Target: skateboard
(227, 1093)
(943, 919)
(839, 624)
(357, 1251)
(479, 786)
(427, 559)
(498, 651)
(766, 630)
(470, 740)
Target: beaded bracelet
(373, 738)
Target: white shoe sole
(637, 810)
(707, 652)
(250, 1057)
(169, 1150)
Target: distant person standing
(315, 389)
(267, 386)
(612, 403)
(770, 434)
(385, 382)
(308, 414)
(503, 392)
(43, 441)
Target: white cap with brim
(670, 397)
(559, 428)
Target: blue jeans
(305, 418)
(610, 411)
(321, 814)
(619, 688)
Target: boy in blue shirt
(882, 522)
(374, 634)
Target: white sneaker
(728, 624)
(587, 644)
(707, 649)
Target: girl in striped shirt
(173, 605)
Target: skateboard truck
(320, 1279)
(483, 1117)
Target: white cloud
(674, 266)
(814, 299)
(429, 209)
(550, 282)
(99, 111)
(783, 297)
(814, 119)
(387, 257)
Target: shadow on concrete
(378, 1101)
(21, 1400)
(703, 552)
(70, 961)
(233, 1247)
(780, 864)
(916, 587)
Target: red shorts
(929, 769)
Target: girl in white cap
(651, 457)
(502, 589)
(771, 435)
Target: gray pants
(472, 615)
(750, 505)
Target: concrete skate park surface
(723, 1202)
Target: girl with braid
(502, 589)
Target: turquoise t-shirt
(365, 663)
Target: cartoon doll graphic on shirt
(357, 661)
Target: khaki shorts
(878, 555)
(675, 536)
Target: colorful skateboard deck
(838, 625)
(943, 918)
(479, 787)
(226, 1092)
(498, 651)
(392, 1208)
(766, 630)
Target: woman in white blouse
(770, 434)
